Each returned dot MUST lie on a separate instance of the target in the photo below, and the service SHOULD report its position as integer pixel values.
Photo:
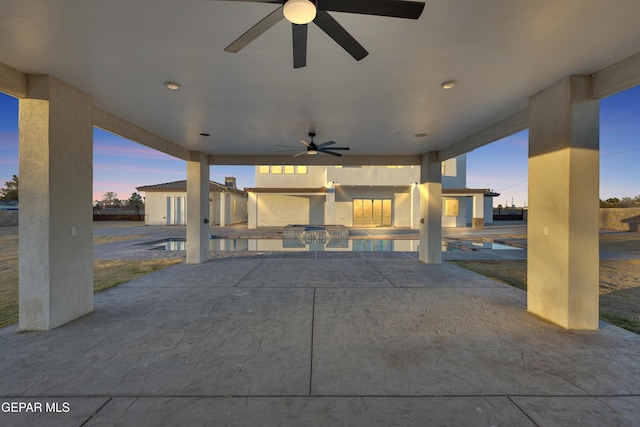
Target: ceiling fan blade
(330, 152)
(305, 142)
(269, 21)
(393, 8)
(334, 148)
(324, 144)
(340, 35)
(299, 45)
(300, 154)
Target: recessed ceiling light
(449, 84)
(172, 85)
(205, 134)
(420, 135)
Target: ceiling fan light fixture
(299, 11)
(450, 84)
(312, 151)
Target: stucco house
(385, 196)
(165, 204)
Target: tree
(110, 199)
(135, 201)
(10, 190)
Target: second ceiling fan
(313, 148)
(304, 11)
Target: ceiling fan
(312, 148)
(301, 12)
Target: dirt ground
(619, 279)
(106, 273)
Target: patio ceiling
(500, 52)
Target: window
(276, 169)
(451, 207)
(263, 169)
(289, 169)
(235, 207)
(301, 169)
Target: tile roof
(182, 186)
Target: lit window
(289, 169)
(301, 169)
(235, 207)
(263, 169)
(276, 169)
(451, 207)
(338, 166)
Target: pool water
(363, 245)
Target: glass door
(372, 212)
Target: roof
(287, 190)
(181, 186)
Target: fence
(510, 214)
(118, 214)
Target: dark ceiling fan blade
(299, 45)
(340, 35)
(269, 21)
(330, 152)
(334, 148)
(290, 146)
(324, 144)
(393, 8)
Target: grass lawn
(106, 273)
(619, 284)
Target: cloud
(138, 152)
(142, 170)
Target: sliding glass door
(372, 212)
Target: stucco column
(478, 211)
(430, 189)
(415, 206)
(563, 257)
(223, 209)
(330, 206)
(56, 218)
(197, 208)
(252, 207)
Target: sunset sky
(121, 165)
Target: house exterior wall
(454, 172)
(365, 182)
(455, 221)
(315, 177)
(156, 208)
(279, 210)
(240, 213)
(373, 175)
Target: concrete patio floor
(319, 338)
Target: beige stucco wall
(623, 219)
(241, 213)
(277, 210)
(314, 178)
(156, 207)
